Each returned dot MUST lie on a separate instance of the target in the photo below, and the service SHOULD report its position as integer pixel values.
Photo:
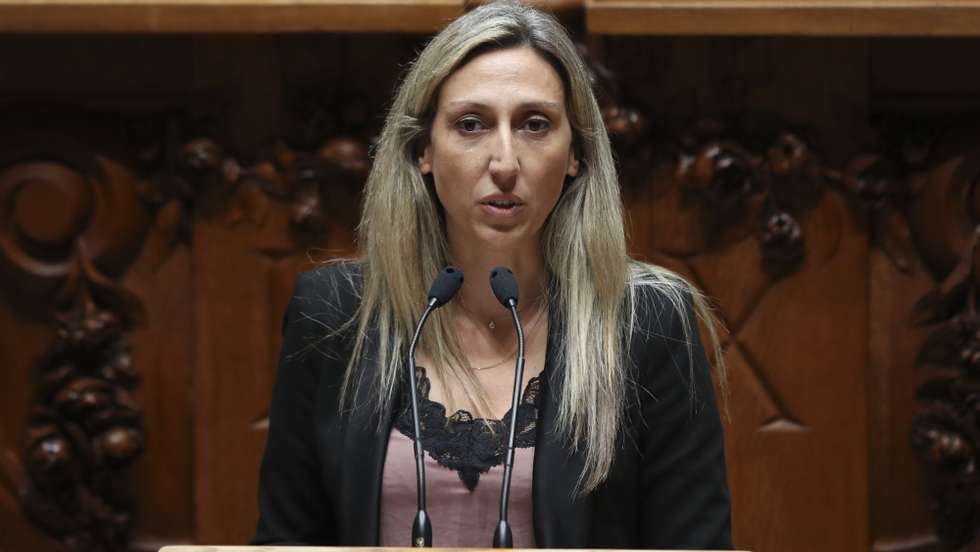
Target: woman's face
(500, 148)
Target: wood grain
(798, 18)
(666, 17)
(216, 16)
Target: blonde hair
(594, 283)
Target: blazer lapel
(561, 520)
(362, 466)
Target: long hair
(594, 283)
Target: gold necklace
(492, 325)
(527, 333)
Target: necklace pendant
(492, 325)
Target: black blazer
(321, 473)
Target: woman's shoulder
(327, 295)
(669, 317)
(334, 280)
(661, 301)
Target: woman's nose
(504, 165)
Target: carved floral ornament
(218, 185)
(920, 208)
(946, 432)
(73, 222)
(923, 206)
(763, 190)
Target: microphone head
(445, 286)
(504, 285)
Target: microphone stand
(444, 288)
(421, 527)
(503, 537)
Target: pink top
(460, 517)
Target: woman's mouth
(501, 207)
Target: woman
(494, 153)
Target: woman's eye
(469, 125)
(536, 125)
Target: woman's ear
(425, 160)
(572, 164)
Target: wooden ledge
(628, 17)
(200, 548)
(785, 17)
(226, 16)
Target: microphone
(443, 289)
(445, 286)
(504, 286)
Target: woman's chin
(503, 237)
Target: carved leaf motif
(952, 295)
(169, 230)
(954, 345)
(891, 232)
(947, 432)
(939, 214)
(935, 306)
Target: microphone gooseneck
(444, 288)
(504, 286)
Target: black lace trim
(468, 445)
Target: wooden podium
(200, 548)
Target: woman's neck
(476, 297)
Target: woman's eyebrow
(535, 104)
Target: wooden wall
(159, 193)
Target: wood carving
(218, 185)
(946, 432)
(770, 190)
(729, 189)
(72, 225)
(916, 208)
(918, 203)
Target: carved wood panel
(790, 288)
(231, 214)
(751, 195)
(246, 258)
(74, 222)
(151, 235)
